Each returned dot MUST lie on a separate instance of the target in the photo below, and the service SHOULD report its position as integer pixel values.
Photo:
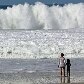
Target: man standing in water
(62, 64)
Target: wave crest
(41, 16)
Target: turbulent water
(41, 43)
(41, 16)
(42, 31)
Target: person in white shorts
(62, 64)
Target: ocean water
(38, 65)
(38, 71)
(34, 44)
(32, 38)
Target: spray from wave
(41, 16)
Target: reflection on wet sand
(63, 79)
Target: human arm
(65, 62)
(58, 62)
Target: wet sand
(39, 78)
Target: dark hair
(62, 54)
(68, 60)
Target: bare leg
(61, 71)
(64, 71)
(69, 73)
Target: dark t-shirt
(68, 66)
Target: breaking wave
(41, 16)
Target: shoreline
(39, 78)
(41, 71)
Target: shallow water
(33, 65)
(37, 71)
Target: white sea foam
(41, 43)
(41, 16)
(38, 42)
